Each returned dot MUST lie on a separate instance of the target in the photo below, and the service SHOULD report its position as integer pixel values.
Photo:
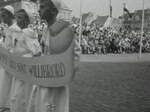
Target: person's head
(7, 14)
(49, 9)
(23, 18)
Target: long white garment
(49, 99)
(27, 46)
(5, 77)
(5, 87)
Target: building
(126, 21)
(101, 21)
(25, 4)
(92, 18)
(116, 23)
(137, 20)
(135, 23)
(33, 6)
(65, 13)
(113, 22)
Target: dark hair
(51, 5)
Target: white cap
(10, 9)
(57, 4)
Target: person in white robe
(58, 36)
(7, 14)
(26, 46)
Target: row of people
(96, 40)
(20, 96)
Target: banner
(48, 71)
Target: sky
(101, 7)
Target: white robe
(49, 99)
(5, 77)
(14, 93)
(27, 46)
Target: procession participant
(26, 46)
(7, 14)
(31, 46)
(52, 99)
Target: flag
(125, 9)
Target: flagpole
(80, 31)
(110, 8)
(123, 14)
(141, 39)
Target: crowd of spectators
(99, 40)
(38, 27)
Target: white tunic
(27, 46)
(49, 99)
(5, 77)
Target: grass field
(111, 86)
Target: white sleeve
(33, 46)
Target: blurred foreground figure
(57, 37)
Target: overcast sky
(101, 7)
